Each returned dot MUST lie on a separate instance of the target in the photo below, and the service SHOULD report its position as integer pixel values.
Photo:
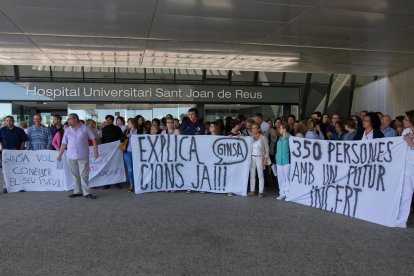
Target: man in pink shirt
(75, 140)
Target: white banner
(361, 179)
(40, 170)
(206, 163)
(32, 171)
(107, 169)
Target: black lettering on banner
(143, 186)
(338, 153)
(372, 151)
(371, 175)
(153, 148)
(380, 180)
(141, 149)
(169, 175)
(225, 178)
(304, 172)
(195, 186)
(181, 145)
(219, 181)
(168, 148)
(152, 176)
(389, 144)
(330, 173)
(347, 204)
(380, 151)
(230, 150)
(363, 153)
(321, 196)
(338, 187)
(159, 176)
(193, 149)
(179, 173)
(327, 195)
(346, 153)
(298, 153)
(306, 144)
(317, 151)
(163, 143)
(45, 158)
(355, 154)
(206, 176)
(215, 178)
(356, 190)
(175, 147)
(367, 176)
(15, 158)
(331, 148)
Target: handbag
(124, 145)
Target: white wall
(392, 95)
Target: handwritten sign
(107, 169)
(32, 171)
(40, 170)
(201, 163)
(361, 179)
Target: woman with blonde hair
(314, 130)
(260, 158)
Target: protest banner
(205, 163)
(360, 179)
(32, 171)
(107, 169)
(40, 170)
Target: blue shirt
(389, 132)
(40, 138)
(12, 139)
(189, 128)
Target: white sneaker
(402, 225)
(281, 197)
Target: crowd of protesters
(270, 160)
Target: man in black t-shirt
(111, 133)
(12, 137)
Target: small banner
(40, 170)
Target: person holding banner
(260, 158)
(283, 161)
(40, 137)
(170, 129)
(193, 126)
(314, 130)
(75, 140)
(408, 184)
(372, 127)
(132, 126)
(12, 137)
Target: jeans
(128, 164)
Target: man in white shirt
(264, 127)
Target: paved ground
(47, 233)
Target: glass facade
(327, 93)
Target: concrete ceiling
(365, 37)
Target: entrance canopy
(370, 37)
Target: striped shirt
(40, 138)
